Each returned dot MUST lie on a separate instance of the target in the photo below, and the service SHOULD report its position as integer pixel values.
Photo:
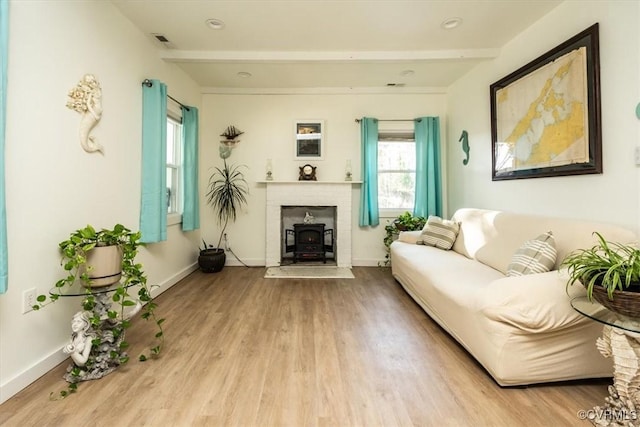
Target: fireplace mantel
(308, 193)
(310, 182)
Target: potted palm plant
(610, 272)
(100, 266)
(227, 193)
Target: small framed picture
(309, 138)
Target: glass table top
(599, 313)
(78, 290)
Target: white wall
(612, 196)
(53, 186)
(268, 123)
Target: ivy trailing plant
(404, 222)
(106, 307)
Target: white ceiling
(331, 43)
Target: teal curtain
(191, 208)
(4, 58)
(369, 215)
(153, 208)
(428, 171)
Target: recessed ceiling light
(407, 73)
(244, 74)
(451, 23)
(214, 24)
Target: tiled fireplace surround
(308, 193)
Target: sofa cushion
(492, 237)
(533, 303)
(439, 232)
(443, 280)
(534, 256)
(409, 236)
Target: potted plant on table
(404, 222)
(101, 267)
(227, 193)
(610, 272)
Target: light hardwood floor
(242, 350)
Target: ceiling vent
(395, 84)
(164, 41)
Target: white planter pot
(104, 265)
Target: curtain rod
(392, 120)
(149, 83)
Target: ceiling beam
(210, 90)
(311, 56)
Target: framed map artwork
(545, 116)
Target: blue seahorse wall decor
(465, 146)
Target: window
(396, 170)
(174, 165)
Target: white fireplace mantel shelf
(309, 182)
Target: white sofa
(521, 329)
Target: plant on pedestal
(610, 272)
(101, 268)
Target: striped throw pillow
(439, 232)
(534, 256)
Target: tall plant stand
(621, 342)
(108, 334)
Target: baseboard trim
(168, 283)
(232, 261)
(367, 262)
(22, 380)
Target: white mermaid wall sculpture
(86, 99)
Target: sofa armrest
(534, 303)
(409, 236)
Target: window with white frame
(174, 162)
(396, 170)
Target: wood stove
(309, 242)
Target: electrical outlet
(28, 300)
(226, 243)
